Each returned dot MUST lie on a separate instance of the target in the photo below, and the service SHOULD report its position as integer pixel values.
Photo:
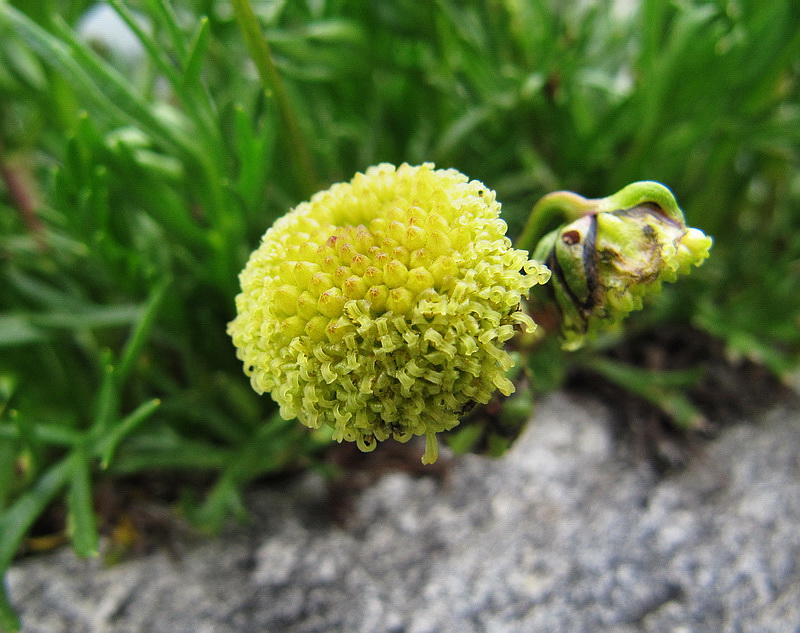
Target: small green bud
(619, 251)
(382, 306)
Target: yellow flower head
(381, 307)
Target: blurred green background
(141, 163)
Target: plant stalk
(261, 55)
(554, 209)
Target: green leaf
(16, 329)
(465, 438)
(156, 52)
(664, 389)
(15, 522)
(255, 147)
(141, 333)
(186, 87)
(82, 522)
(107, 402)
(88, 317)
(169, 18)
(18, 518)
(8, 465)
(9, 620)
(271, 447)
(29, 439)
(108, 444)
(22, 64)
(334, 31)
(197, 52)
(167, 450)
(259, 50)
(455, 134)
(223, 501)
(96, 79)
(51, 434)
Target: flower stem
(554, 209)
(259, 50)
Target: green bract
(381, 307)
(618, 251)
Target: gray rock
(562, 534)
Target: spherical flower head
(607, 262)
(381, 307)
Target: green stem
(554, 209)
(259, 50)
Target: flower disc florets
(381, 307)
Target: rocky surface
(562, 534)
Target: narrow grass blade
(141, 332)
(224, 500)
(88, 318)
(255, 146)
(16, 329)
(50, 434)
(82, 521)
(664, 389)
(9, 620)
(168, 451)
(639, 378)
(17, 519)
(29, 440)
(55, 52)
(109, 443)
(8, 453)
(259, 50)
(117, 89)
(167, 65)
(272, 447)
(168, 16)
(14, 524)
(98, 81)
(156, 52)
(43, 294)
(197, 52)
(107, 398)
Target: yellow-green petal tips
(382, 306)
